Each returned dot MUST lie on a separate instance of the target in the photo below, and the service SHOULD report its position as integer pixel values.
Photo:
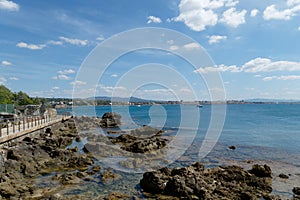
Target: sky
(253, 45)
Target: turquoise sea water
(262, 133)
(271, 131)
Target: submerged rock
(196, 182)
(296, 190)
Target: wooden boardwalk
(22, 126)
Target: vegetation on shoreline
(17, 98)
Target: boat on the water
(199, 106)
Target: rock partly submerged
(197, 182)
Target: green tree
(6, 96)
(23, 99)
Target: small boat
(199, 106)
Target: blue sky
(254, 45)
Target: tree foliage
(19, 98)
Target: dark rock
(261, 171)
(196, 182)
(296, 190)
(110, 120)
(142, 146)
(284, 176)
(232, 147)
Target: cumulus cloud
(267, 65)
(14, 78)
(216, 38)
(114, 75)
(198, 15)
(53, 42)
(9, 5)
(55, 88)
(5, 63)
(100, 38)
(254, 66)
(233, 18)
(66, 71)
(283, 78)
(63, 75)
(153, 19)
(254, 12)
(174, 47)
(191, 46)
(31, 46)
(292, 9)
(78, 83)
(220, 68)
(74, 41)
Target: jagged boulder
(110, 120)
(196, 182)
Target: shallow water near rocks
(265, 134)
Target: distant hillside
(272, 100)
(120, 99)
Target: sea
(257, 133)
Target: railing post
(19, 125)
(1, 129)
(13, 126)
(27, 122)
(23, 123)
(34, 121)
(7, 128)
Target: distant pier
(18, 127)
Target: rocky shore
(49, 164)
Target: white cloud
(299, 28)
(293, 2)
(14, 78)
(9, 5)
(231, 3)
(220, 68)
(216, 38)
(31, 46)
(66, 71)
(254, 12)
(2, 80)
(78, 83)
(114, 75)
(170, 42)
(174, 48)
(255, 66)
(267, 65)
(271, 12)
(53, 42)
(55, 88)
(62, 77)
(283, 78)
(233, 18)
(153, 19)
(191, 46)
(5, 63)
(292, 9)
(100, 38)
(74, 41)
(197, 15)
